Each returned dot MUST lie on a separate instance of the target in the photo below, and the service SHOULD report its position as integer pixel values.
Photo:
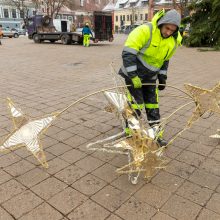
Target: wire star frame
(144, 153)
(141, 147)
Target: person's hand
(162, 87)
(136, 82)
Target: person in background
(86, 32)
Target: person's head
(87, 24)
(169, 23)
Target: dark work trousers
(145, 97)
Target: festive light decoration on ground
(205, 100)
(26, 133)
(141, 147)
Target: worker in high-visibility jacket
(86, 31)
(146, 56)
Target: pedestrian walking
(86, 32)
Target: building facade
(128, 12)
(12, 17)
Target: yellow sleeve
(138, 38)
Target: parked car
(130, 28)
(7, 32)
(19, 30)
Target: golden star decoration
(146, 154)
(206, 101)
(26, 133)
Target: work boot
(162, 142)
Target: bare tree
(53, 6)
(21, 5)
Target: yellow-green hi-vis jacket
(146, 53)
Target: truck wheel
(52, 41)
(16, 35)
(65, 39)
(36, 38)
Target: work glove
(136, 82)
(162, 80)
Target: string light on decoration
(27, 133)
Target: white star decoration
(26, 133)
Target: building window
(58, 17)
(70, 18)
(6, 15)
(123, 17)
(130, 17)
(116, 18)
(145, 17)
(136, 17)
(21, 14)
(141, 17)
(14, 15)
(64, 17)
(120, 17)
(127, 17)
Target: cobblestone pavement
(82, 184)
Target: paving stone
(89, 210)
(48, 188)
(56, 165)
(33, 177)
(107, 172)
(67, 200)
(9, 159)
(44, 211)
(153, 195)
(135, 209)
(214, 203)
(191, 158)
(70, 174)
(119, 160)
(215, 154)
(200, 148)
(180, 169)
(172, 152)
(27, 201)
(48, 141)
(181, 208)
(167, 181)
(113, 217)
(89, 163)
(161, 216)
(5, 215)
(182, 143)
(34, 161)
(124, 184)
(75, 141)
(4, 176)
(23, 152)
(205, 179)
(10, 189)
(207, 214)
(19, 168)
(89, 185)
(110, 198)
(195, 193)
(211, 166)
(58, 149)
(72, 156)
(106, 157)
